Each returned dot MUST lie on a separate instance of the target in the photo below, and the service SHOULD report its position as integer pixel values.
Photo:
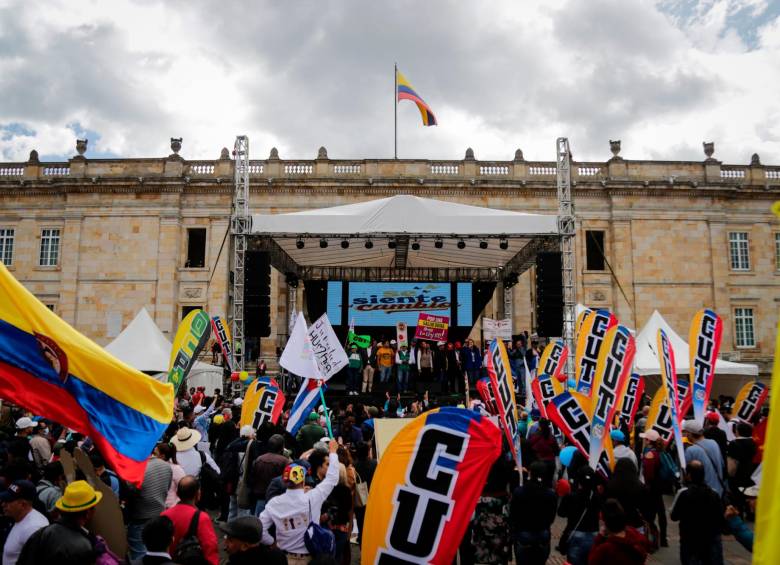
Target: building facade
(96, 240)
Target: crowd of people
(262, 490)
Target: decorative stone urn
(176, 145)
(81, 146)
(709, 148)
(614, 146)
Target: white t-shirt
(20, 533)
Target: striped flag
(404, 91)
(305, 402)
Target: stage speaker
(257, 294)
(549, 294)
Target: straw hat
(186, 438)
(79, 495)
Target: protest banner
(50, 369)
(631, 399)
(433, 328)
(704, 343)
(222, 335)
(297, 356)
(326, 348)
(426, 487)
(553, 359)
(544, 389)
(263, 402)
(361, 341)
(616, 356)
(497, 329)
(191, 337)
(749, 401)
(486, 392)
(593, 328)
(660, 416)
(665, 354)
(402, 334)
(309, 395)
(504, 393)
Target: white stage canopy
(143, 346)
(646, 362)
(405, 220)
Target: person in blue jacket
(471, 358)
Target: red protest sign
(433, 328)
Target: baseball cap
(247, 430)
(17, 491)
(750, 492)
(712, 417)
(617, 435)
(246, 528)
(294, 474)
(238, 401)
(691, 426)
(199, 408)
(650, 435)
(24, 422)
(313, 417)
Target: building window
(51, 307)
(743, 327)
(777, 251)
(739, 251)
(7, 246)
(187, 309)
(196, 248)
(594, 250)
(50, 248)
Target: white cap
(199, 408)
(650, 435)
(238, 401)
(691, 426)
(247, 431)
(392, 342)
(24, 422)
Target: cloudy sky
(662, 76)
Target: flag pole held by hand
(327, 416)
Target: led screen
(386, 303)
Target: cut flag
(52, 370)
(404, 91)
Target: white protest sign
(298, 357)
(497, 329)
(326, 348)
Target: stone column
(165, 305)
(70, 245)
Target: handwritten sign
(432, 327)
(325, 346)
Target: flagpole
(395, 109)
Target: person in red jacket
(182, 514)
(620, 544)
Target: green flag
(362, 341)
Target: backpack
(668, 472)
(210, 485)
(189, 551)
(319, 540)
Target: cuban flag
(305, 402)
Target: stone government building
(96, 240)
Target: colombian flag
(52, 370)
(405, 91)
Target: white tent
(646, 362)
(142, 345)
(388, 218)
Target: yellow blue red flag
(404, 91)
(766, 550)
(52, 370)
(426, 487)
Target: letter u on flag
(52, 370)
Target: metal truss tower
(240, 224)
(567, 230)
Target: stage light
(504, 244)
(299, 244)
(323, 243)
(369, 244)
(438, 244)
(344, 243)
(415, 246)
(461, 244)
(483, 244)
(391, 244)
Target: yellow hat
(79, 495)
